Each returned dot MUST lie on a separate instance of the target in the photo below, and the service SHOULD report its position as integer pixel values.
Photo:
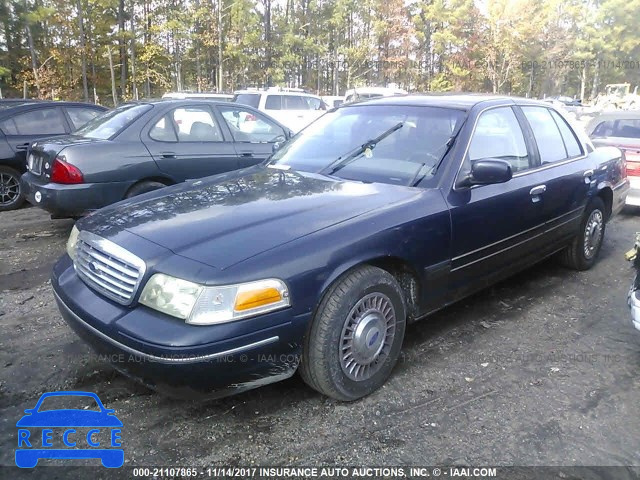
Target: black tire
(10, 191)
(350, 305)
(584, 249)
(143, 187)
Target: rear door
(25, 127)
(254, 134)
(565, 173)
(494, 227)
(188, 142)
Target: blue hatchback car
(68, 420)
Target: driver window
(498, 136)
(248, 126)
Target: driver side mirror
(487, 171)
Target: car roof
(461, 101)
(618, 114)
(23, 104)
(276, 92)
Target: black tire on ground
(355, 337)
(143, 187)
(10, 191)
(582, 253)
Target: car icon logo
(69, 433)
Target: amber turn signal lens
(256, 298)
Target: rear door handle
(246, 154)
(168, 154)
(587, 176)
(539, 190)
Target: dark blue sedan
(376, 215)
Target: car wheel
(583, 251)
(10, 192)
(356, 335)
(143, 187)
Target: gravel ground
(543, 369)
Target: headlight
(200, 305)
(72, 242)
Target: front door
(187, 142)
(497, 226)
(254, 134)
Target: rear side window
(295, 102)
(190, 124)
(8, 127)
(79, 116)
(548, 138)
(273, 102)
(622, 128)
(498, 135)
(45, 121)
(251, 99)
(570, 141)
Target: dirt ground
(543, 369)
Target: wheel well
(162, 180)
(406, 278)
(606, 195)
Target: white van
(294, 108)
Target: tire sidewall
(20, 198)
(369, 284)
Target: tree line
(110, 51)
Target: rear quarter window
(547, 135)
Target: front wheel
(583, 251)
(356, 335)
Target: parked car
(633, 298)
(376, 215)
(292, 107)
(566, 101)
(221, 97)
(621, 129)
(144, 146)
(366, 93)
(21, 122)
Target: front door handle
(539, 190)
(22, 146)
(246, 154)
(168, 154)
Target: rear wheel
(143, 187)
(356, 335)
(10, 192)
(583, 251)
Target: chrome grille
(108, 268)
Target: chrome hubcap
(9, 189)
(593, 233)
(367, 336)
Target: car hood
(226, 219)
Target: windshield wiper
(340, 162)
(449, 143)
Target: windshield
(398, 158)
(109, 124)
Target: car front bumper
(633, 197)
(238, 358)
(71, 200)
